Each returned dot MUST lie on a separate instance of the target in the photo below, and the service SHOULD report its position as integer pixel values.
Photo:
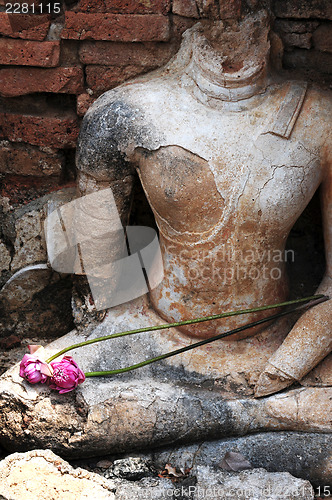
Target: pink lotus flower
(33, 369)
(66, 375)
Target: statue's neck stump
(228, 74)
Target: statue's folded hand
(309, 341)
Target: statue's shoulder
(303, 109)
(125, 109)
(316, 115)
(318, 104)
(116, 124)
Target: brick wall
(305, 29)
(53, 66)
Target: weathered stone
(253, 484)
(228, 160)
(131, 469)
(208, 8)
(5, 257)
(156, 137)
(321, 375)
(54, 32)
(149, 408)
(228, 9)
(304, 455)
(204, 482)
(84, 101)
(158, 489)
(35, 299)
(40, 473)
(29, 244)
(322, 38)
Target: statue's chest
(205, 166)
(195, 184)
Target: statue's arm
(105, 184)
(101, 159)
(310, 340)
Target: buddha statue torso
(227, 164)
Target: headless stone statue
(228, 157)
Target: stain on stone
(109, 129)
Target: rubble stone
(40, 474)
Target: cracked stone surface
(40, 473)
(228, 162)
(156, 405)
(304, 455)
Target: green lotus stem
(182, 323)
(320, 298)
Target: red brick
(290, 26)
(323, 38)
(29, 53)
(302, 40)
(308, 60)
(23, 159)
(30, 27)
(217, 9)
(102, 78)
(121, 54)
(22, 189)
(116, 27)
(185, 8)
(304, 9)
(69, 53)
(84, 101)
(126, 6)
(50, 130)
(20, 81)
(229, 9)
(181, 24)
